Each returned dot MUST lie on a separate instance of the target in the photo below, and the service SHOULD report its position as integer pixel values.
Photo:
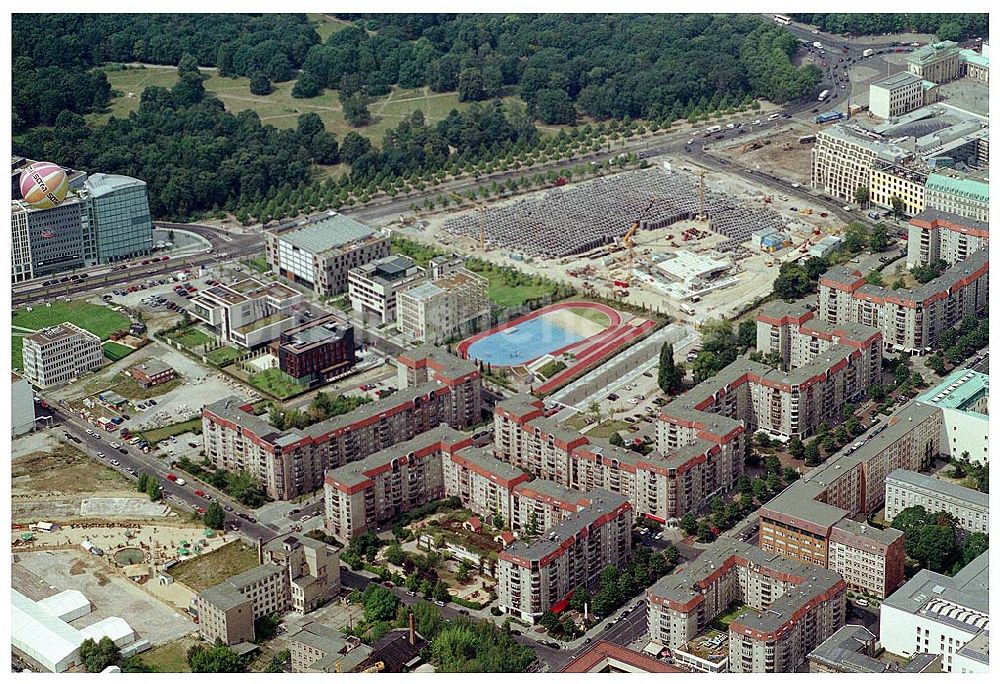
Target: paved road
(622, 631)
(184, 496)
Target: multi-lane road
(66, 422)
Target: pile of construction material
(577, 219)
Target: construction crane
(629, 246)
(481, 208)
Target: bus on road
(782, 19)
(822, 96)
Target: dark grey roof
(440, 356)
(484, 458)
(354, 473)
(843, 274)
(229, 593)
(843, 651)
(968, 496)
(601, 502)
(799, 503)
(938, 215)
(682, 587)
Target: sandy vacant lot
(109, 593)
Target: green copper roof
(959, 391)
(967, 187)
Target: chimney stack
(413, 634)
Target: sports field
(99, 320)
(279, 108)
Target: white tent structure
(67, 605)
(39, 633)
(114, 628)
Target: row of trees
(753, 493)
(242, 485)
(958, 344)
(944, 26)
(607, 66)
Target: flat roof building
(969, 508)
(320, 252)
(316, 351)
(248, 313)
(439, 310)
(56, 355)
(963, 397)
(372, 287)
(937, 614)
(895, 95)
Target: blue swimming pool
(526, 341)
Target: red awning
(560, 606)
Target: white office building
(56, 355)
(949, 616)
(905, 489)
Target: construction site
(673, 238)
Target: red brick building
(318, 350)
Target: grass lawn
(99, 320)
(607, 428)
(191, 337)
(279, 108)
(578, 421)
(223, 355)
(326, 26)
(171, 656)
(594, 315)
(722, 621)
(505, 295)
(208, 570)
(276, 383)
(115, 351)
(551, 368)
(159, 434)
(16, 357)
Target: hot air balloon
(44, 185)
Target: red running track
(589, 352)
(616, 320)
